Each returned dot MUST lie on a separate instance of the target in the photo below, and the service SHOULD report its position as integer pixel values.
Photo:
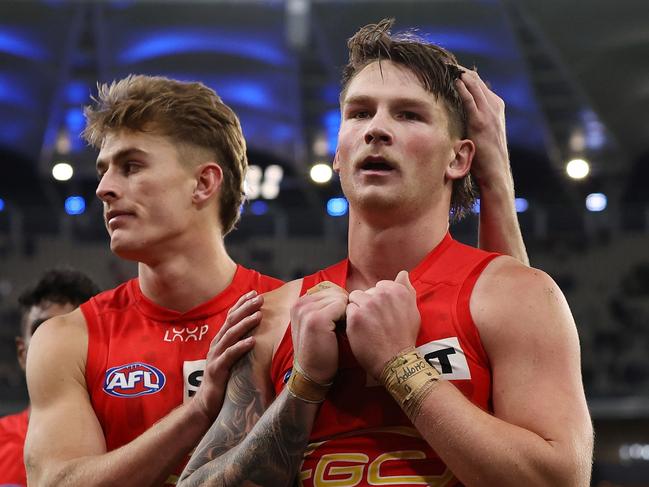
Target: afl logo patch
(133, 380)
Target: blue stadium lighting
(76, 92)
(521, 205)
(14, 92)
(337, 207)
(166, 43)
(332, 125)
(75, 205)
(75, 120)
(461, 41)
(2, 204)
(15, 43)
(258, 207)
(13, 131)
(476, 206)
(282, 132)
(596, 202)
(248, 93)
(330, 93)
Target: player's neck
(186, 278)
(378, 252)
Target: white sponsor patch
(447, 356)
(192, 377)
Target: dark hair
(436, 69)
(60, 286)
(191, 114)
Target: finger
(243, 299)
(235, 333)
(467, 98)
(481, 90)
(359, 298)
(403, 278)
(246, 306)
(476, 88)
(229, 357)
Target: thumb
(403, 279)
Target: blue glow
(76, 92)
(331, 121)
(17, 44)
(476, 206)
(246, 92)
(521, 205)
(596, 202)
(181, 41)
(475, 43)
(14, 132)
(337, 207)
(75, 205)
(75, 120)
(258, 207)
(331, 93)
(282, 132)
(2, 204)
(13, 91)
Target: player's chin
(126, 250)
(377, 199)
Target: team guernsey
(361, 437)
(145, 360)
(13, 430)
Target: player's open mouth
(376, 165)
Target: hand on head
(485, 112)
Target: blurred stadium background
(574, 76)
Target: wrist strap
(409, 379)
(302, 387)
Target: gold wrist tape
(409, 379)
(301, 386)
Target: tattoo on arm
(246, 446)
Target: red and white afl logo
(133, 380)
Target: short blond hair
(190, 114)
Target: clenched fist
(382, 321)
(313, 330)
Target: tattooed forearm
(245, 448)
(242, 407)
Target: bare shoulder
(58, 349)
(516, 305)
(276, 315)
(506, 285)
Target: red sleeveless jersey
(145, 360)
(13, 430)
(361, 436)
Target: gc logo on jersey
(133, 380)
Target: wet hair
(189, 113)
(60, 286)
(435, 68)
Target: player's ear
(208, 177)
(460, 165)
(21, 350)
(336, 164)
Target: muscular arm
(245, 448)
(540, 433)
(254, 442)
(65, 445)
(499, 230)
